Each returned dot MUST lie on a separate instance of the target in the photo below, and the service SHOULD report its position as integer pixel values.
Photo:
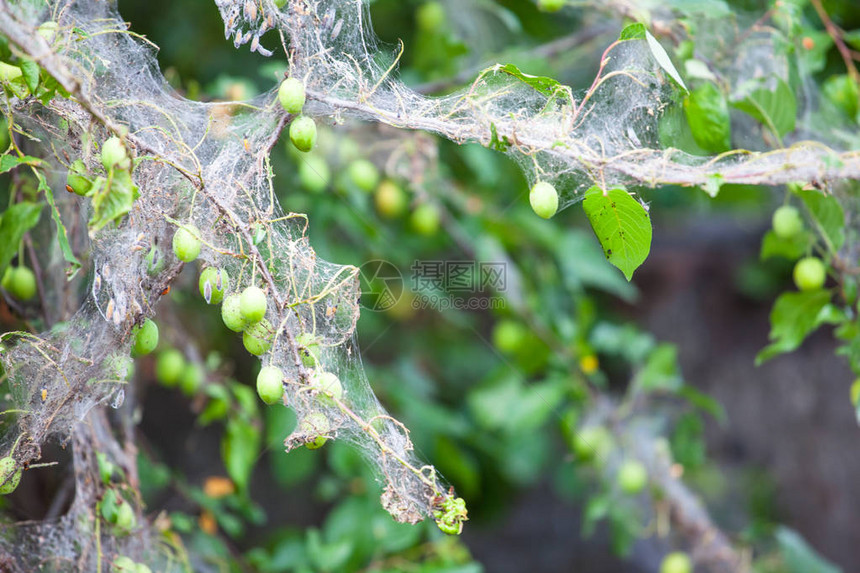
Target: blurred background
(491, 334)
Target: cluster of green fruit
(20, 282)
(115, 160)
(303, 129)
(810, 272)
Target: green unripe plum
(119, 366)
(145, 337)
(154, 261)
(328, 385)
(551, 5)
(425, 219)
(192, 378)
(231, 313)
(632, 477)
(430, 16)
(676, 562)
(123, 564)
(544, 199)
(77, 179)
(258, 337)
(212, 284)
(270, 384)
(314, 173)
(125, 519)
(291, 94)
(169, 367)
(787, 222)
(9, 72)
(309, 349)
(390, 199)
(21, 283)
(10, 475)
(114, 154)
(303, 133)
(809, 274)
(315, 424)
(593, 442)
(186, 243)
(509, 336)
(252, 304)
(363, 174)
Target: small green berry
(193, 377)
(125, 519)
(258, 337)
(787, 222)
(270, 384)
(390, 199)
(425, 219)
(169, 367)
(363, 174)
(212, 284)
(303, 133)
(291, 94)
(509, 336)
(309, 349)
(231, 313)
(809, 274)
(544, 199)
(186, 243)
(328, 385)
(145, 337)
(77, 178)
(21, 283)
(593, 443)
(551, 5)
(676, 562)
(632, 477)
(314, 173)
(315, 424)
(430, 16)
(114, 154)
(252, 304)
(10, 475)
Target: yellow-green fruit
(809, 274)
(544, 199)
(186, 243)
(593, 443)
(212, 284)
(787, 222)
(309, 349)
(328, 385)
(123, 564)
(192, 378)
(114, 154)
(231, 313)
(855, 392)
(676, 562)
(10, 475)
(390, 199)
(363, 174)
(257, 338)
(270, 384)
(315, 424)
(430, 16)
(252, 304)
(291, 94)
(425, 219)
(551, 5)
(21, 283)
(509, 336)
(125, 519)
(169, 367)
(314, 173)
(145, 337)
(632, 477)
(77, 179)
(303, 133)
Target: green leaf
(547, 86)
(828, 216)
(794, 316)
(112, 200)
(663, 59)
(708, 116)
(622, 226)
(62, 236)
(776, 109)
(239, 449)
(799, 556)
(844, 93)
(661, 372)
(9, 162)
(588, 268)
(14, 222)
(634, 31)
(30, 71)
(792, 248)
